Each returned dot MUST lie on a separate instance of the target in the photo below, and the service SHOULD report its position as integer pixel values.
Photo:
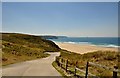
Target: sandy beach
(83, 48)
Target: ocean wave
(101, 45)
(84, 43)
(70, 42)
(110, 46)
(77, 42)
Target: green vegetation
(54, 64)
(106, 58)
(21, 47)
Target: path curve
(40, 67)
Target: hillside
(105, 58)
(20, 47)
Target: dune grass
(54, 64)
(106, 58)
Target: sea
(98, 41)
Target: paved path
(40, 67)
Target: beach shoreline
(84, 48)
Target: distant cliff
(53, 37)
(49, 37)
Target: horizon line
(53, 35)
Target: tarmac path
(39, 67)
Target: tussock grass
(106, 58)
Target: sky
(0, 16)
(75, 19)
(59, 0)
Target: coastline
(83, 48)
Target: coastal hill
(49, 37)
(52, 37)
(20, 47)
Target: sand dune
(83, 48)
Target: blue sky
(59, 0)
(62, 18)
(0, 16)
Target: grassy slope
(21, 47)
(106, 58)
